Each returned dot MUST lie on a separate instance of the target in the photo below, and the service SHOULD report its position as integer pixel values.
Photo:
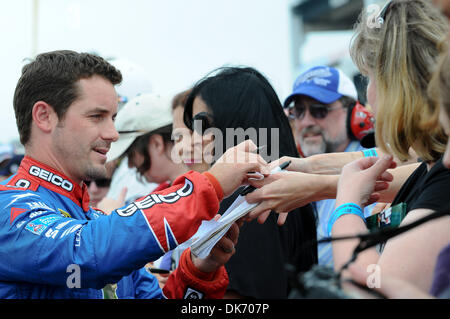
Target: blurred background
(172, 44)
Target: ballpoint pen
(277, 169)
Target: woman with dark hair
(231, 105)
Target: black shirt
(258, 268)
(426, 189)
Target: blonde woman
(399, 57)
(391, 286)
(398, 53)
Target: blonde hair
(439, 87)
(401, 53)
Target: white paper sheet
(210, 232)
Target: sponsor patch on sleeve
(39, 225)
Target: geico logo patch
(153, 199)
(50, 177)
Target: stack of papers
(210, 232)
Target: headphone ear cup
(360, 121)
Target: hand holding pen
(277, 169)
(278, 192)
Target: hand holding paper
(210, 232)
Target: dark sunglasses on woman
(201, 122)
(101, 182)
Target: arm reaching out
(285, 191)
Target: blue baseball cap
(324, 84)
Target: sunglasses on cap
(101, 182)
(317, 110)
(383, 13)
(201, 122)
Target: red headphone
(360, 121)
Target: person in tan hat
(145, 136)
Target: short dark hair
(52, 77)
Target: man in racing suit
(53, 245)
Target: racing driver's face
(85, 133)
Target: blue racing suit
(53, 245)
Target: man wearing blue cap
(320, 108)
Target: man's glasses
(201, 122)
(317, 110)
(101, 182)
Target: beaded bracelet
(370, 152)
(344, 209)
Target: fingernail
(259, 149)
(257, 176)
